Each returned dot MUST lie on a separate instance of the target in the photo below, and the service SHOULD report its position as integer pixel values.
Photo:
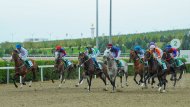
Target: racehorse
(167, 57)
(90, 69)
(21, 69)
(60, 68)
(155, 70)
(138, 66)
(111, 66)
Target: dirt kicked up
(47, 94)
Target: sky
(53, 19)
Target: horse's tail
(38, 69)
(185, 67)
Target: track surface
(47, 94)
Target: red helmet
(58, 47)
(109, 45)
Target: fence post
(41, 71)
(8, 74)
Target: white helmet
(152, 47)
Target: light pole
(110, 28)
(97, 24)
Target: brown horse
(155, 70)
(90, 69)
(21, 69)
(138, 66)
(173, 68)
(61, 69)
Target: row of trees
(125, 42)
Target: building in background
(35, 39)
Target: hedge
(47, 71)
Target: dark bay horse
(21, 69)
(90, 69)
(61, 69)
(167, 57)
(138, 67)
(155, 70)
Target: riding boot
(27, 64)
(164, 67)
(97, 66)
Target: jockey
(152, 43)
(140, 52)
(93, 53)
(23, 53)
(173, 53)
(63, 53)
(157, 53)
(115, 53)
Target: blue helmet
(168, 47)
(137, 48)
(18, 46)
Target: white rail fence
(8, 68)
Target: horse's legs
(61, 78)
(33, 78)
(89, 80)
(160, 84)
(70, 68)
(135, 78)
(145, 79)
(174, 74)
(153, 81)
(141, 78)
(103, 78)
(126, 76)
(81, 79)
(181, 72)
(114, 84)
(121, 81)
(14, 79)
(52, 75)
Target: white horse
(111, 66)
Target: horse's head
(81, 57)
(133, 55)
(148, 55)
(107, 54)
(166, 56)
(15, 55)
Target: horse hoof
(16, 86)
(30, 86)
(76, 85)
(113, 92)
(159, 89)
(163, 91)
(105, 89)
(59, 85)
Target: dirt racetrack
(47, 94)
